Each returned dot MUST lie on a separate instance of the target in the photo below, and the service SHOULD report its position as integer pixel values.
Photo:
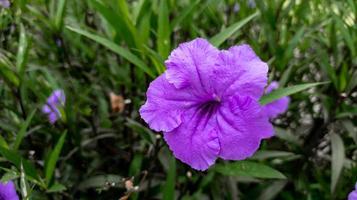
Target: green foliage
(92, 48)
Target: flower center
(210, 106)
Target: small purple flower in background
(353, 194)
(52, 107)
(276, 107)
(206, 103)
(251, 4)
(5, 3)
(8, 191)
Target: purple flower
(276, 107)
(5, 3)
(206, 103)
(8, 191)
(54, 102)
(353, 194)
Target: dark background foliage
(95, 47)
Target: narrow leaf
(169, 187)
(248, 169)
(22, 51)
(50, 165)
(218, 39)
(16, 159)
(163, 32)
(101, 181)
(338, 157)
(282, 92)
(21, 134)
(115, 48)
(60, 14)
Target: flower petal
(8, 191)
(239, 69)
(276, 107)
(195, 141)
(57, 98)
(242, 125)
(191, 64)
(165, 104)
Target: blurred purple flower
(55, 101)
(8, 191)
(353, 194)
(5, 3)
(206, 103)
(276, 107)
(251, 3)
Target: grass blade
(60, 14)
(169, 187)
(116, 49)
(218, 39)
(338, 157)
(163, 32)
(21, 134)
(22, 52)
(50, 165)
(248, 169)
(17, 160)
(282, 92)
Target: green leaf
(115, 48)
(60, 14)
(144, 132)
(16, 159)
(266, 154)
(120, 24)
(57, 187)
(272, 190)
(282, 92)
(135, 165)
(50, 165)
(248, 169)
(163, 32)
(3, 143)
(218, 39)
(186, 12)
(9, 175)
(7, 71)
(21, 134)
(22, 52)
(169, 187)
(101, 181)
(350, 128)
(23, 184)
(337, 159)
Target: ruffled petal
(242, 125)
(195, 142)
(191, 64)
(276, 107)
(165, 104)
(239, 69)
